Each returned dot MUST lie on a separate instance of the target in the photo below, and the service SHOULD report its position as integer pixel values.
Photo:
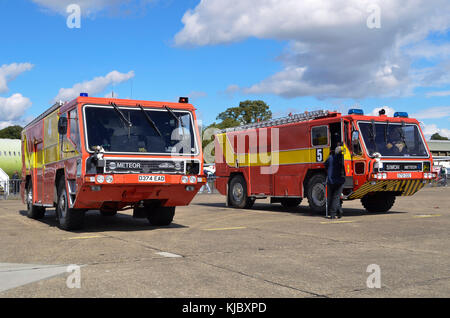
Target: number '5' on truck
(109, 155)
(384, 157)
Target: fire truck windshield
(392, 139)
(162, 134)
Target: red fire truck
(111, 154)
(384, 157)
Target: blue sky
(221, 52)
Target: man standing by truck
(443, 174)
(335, 181)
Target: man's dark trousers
(334, 198)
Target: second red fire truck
(283, 159)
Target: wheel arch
(309, 174)
(60, 173)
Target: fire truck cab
(109, 155)
(384, 157)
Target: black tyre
(237, 193)
(33, 212)
(378, 202)
(68, 219)
(108, 212)
(315, 192)
(290, 203)
(161, 216)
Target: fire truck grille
(145, 166)
(402, 166)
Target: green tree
(11, 132)
(436, 136)
(249, 111)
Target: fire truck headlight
(100, 178)
(192, 179)
(378, 164)
(434, 175)
(109, 179)
(184, 179)
(384, 175)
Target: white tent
(4, 183)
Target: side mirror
(355, 137)
(62, 125)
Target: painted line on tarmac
(334, 222)
(226, 228)
(167, 254)
(15, 275)
(85, 237)
(422, 216)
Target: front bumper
(128, 189)
(402, 183)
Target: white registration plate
(152, 178)
(403, 175)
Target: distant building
(440, 150)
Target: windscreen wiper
(386, 132)
(174, 115)
(402, 135)
(150, 121)
(373, 134)
(121, 115)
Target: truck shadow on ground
(94, 222)
(300, 210)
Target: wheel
(108, 212)
(315, 192)
(378, 202)
(68, 219)
(290, 203)
(237, 193)
(33, 212)
(161, 216)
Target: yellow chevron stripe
(407, 187)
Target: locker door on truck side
(261, 160)
(38, 185)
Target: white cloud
(94, 86)
(430, 129)
(4, 124)
(112, 95)
(433, 113)
(9, 72)
(13, 108)
(90, 7)
(331, 53)
(196, 95)
(231, 90)
(389, 111)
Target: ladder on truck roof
(50, 110)
(282, 121)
